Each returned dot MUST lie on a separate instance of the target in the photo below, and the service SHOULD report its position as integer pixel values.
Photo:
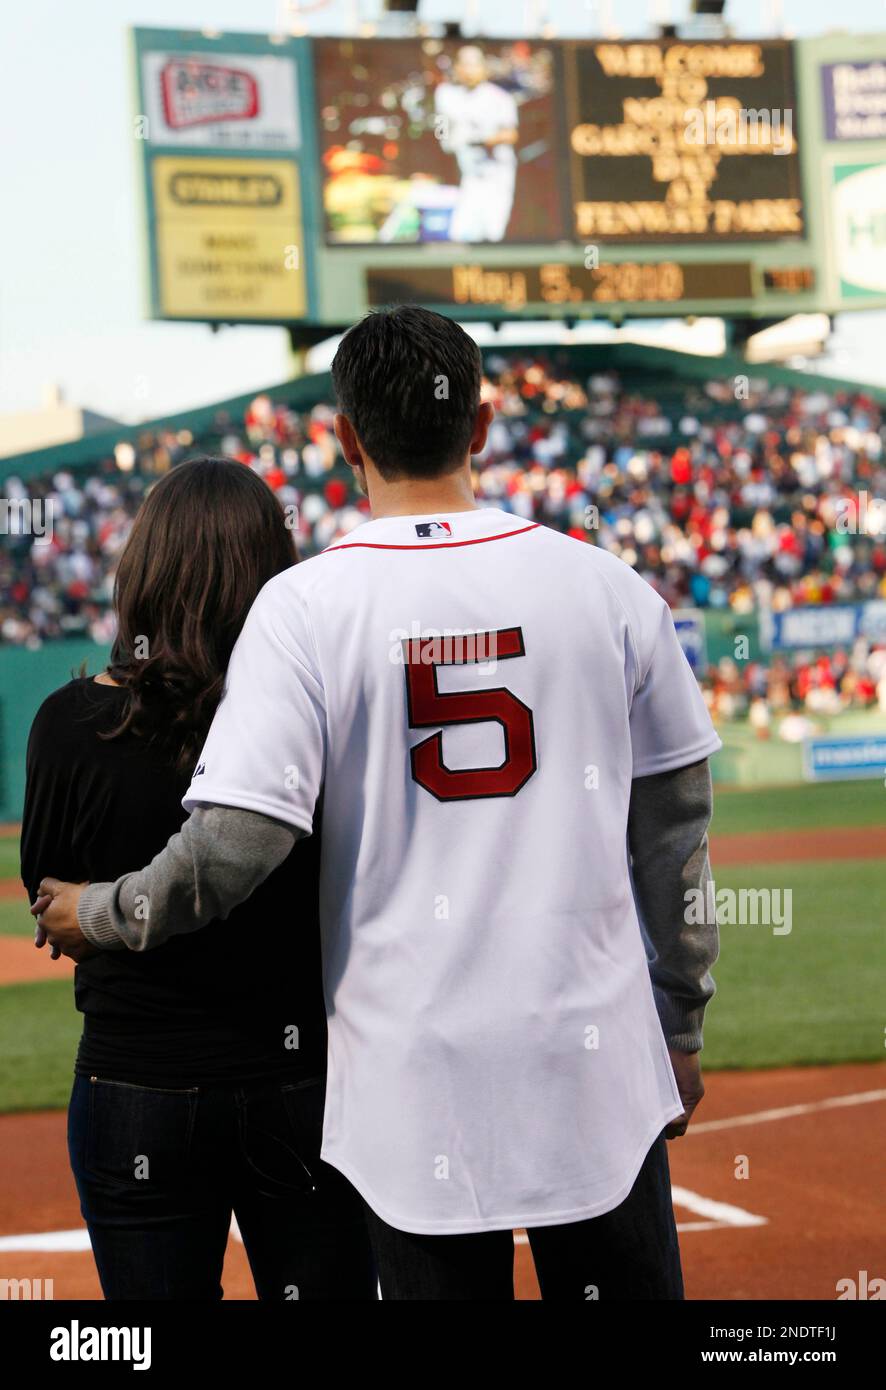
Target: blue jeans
(630, 1252)
(159, 1173)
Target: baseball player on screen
(477, 122)
(512, 754)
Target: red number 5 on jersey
(427, 707)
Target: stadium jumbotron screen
(433, 141)
(496, 179)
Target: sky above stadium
(71, 275)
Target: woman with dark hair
(199, 1079)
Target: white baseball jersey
(485, 199)
(472, 115)
(495, 1057)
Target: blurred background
(665, 225)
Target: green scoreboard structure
(299, 181)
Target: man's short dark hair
(409, 382)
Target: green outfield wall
(26, 678)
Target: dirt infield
(837, 842)
(809, 1212)
(21, 963)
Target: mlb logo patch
(433, 530)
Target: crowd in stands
(723, 494)
(815, 684)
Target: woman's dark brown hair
(205, 540)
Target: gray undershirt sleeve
(667, 837)
(220, 856)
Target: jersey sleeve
(669, 721)
(266, 747)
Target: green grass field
(799, 808)
(811, 996)
(9, 865)
(814, 995)
(15, 919)
(39, 1030)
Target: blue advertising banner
(844, 759)
(689, 623)
(823, 626)
(854, 97)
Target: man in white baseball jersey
(477, 120)
(511, 750)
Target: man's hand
(687, 1071)
(56, 912)
(39, 905)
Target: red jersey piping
(436, 545)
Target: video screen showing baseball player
(438, 142)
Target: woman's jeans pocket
(137, 1136)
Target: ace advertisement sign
(226, 101)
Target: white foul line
(720, 1213)
(48, 1240)
(700, 1226)
(786, 1112)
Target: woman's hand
(56, 912)
(39, 905)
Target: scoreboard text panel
(678, 142)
